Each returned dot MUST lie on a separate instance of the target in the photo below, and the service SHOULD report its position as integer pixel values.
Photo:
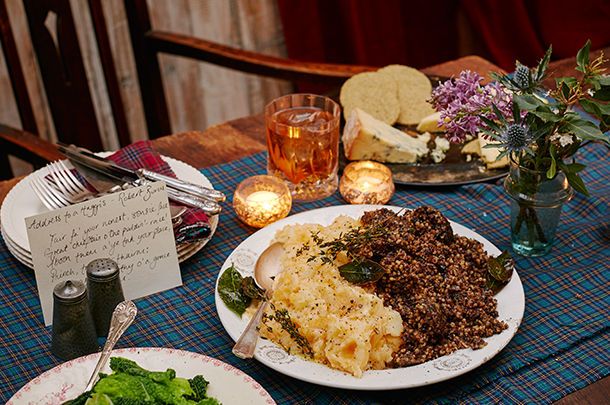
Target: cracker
(375, 93)
(414, 89)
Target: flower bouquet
(540, 130)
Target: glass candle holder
(366, 182)
(261, 200)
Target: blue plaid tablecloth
(562, 345)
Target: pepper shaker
(105, 292)
(73, 328)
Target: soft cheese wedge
(367, 138)
(488, 155)
(430, 123)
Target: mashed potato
(347, 327)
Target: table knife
(87, 158)
(103, 186)
(107, 182)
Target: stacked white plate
(21, 202)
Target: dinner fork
(49, 196)
(68, 184)
(64, 190)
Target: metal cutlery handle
(195, 189)
(209, 207)
(123, 315)
(245, 345)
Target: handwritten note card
(133, 227)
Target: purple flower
(463, 100)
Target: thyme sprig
(282, 316)
(350, 242)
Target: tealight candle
(366, 182)
(261, 200)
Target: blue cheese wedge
(367, 138)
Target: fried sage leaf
(231, 292)
(251, 289)
(499, 271)
(361, 271)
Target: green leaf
(527, 102)
(546, 116)
(573, 178)
(582, 57)
(538, 129)
(570, 81)
(543, 64)
(490, 133)
(516, 113)
(361, 271)
(595, 108)
(576, 182)
(491, 123)
(553, 167)
(251, 289)
(599, 81)
(575, 167)
(604, 124)
(565, 90)
(499, 114)
(499, 271)
(231, 293)
(603, 94)
(584, 130)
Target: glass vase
(536, 203)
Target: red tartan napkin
(195, 223)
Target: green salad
(130, 384)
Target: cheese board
(423, 157)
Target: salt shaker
(105, 292)
(73, 328)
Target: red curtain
(422, 33)
(523, 30)
(370, 32)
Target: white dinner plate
(185, 251)
(21, 202)
(25, 259)
(227, 384)
(511, 304)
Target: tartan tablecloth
(562, 345)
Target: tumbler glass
(303, 144)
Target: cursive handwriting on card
(132, 227)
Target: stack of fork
(58, 187)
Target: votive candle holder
(261, 200)
(366, 182)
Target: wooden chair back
(62, 69)
(65, 82)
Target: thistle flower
(522, 76)
(515, 138)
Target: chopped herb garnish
(282, 317)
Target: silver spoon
(266, 268)
(122, 316)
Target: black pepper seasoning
(73, 328)
(105, 292)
